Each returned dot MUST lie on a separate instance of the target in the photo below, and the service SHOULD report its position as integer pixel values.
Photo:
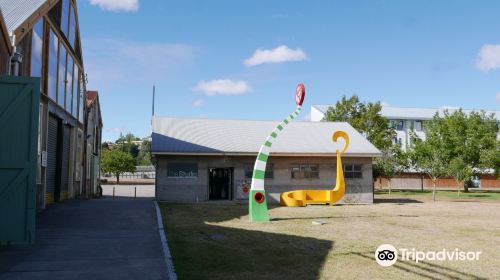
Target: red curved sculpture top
(300, 94)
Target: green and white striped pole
(257, 204)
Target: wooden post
(113, 192)
(135, 192)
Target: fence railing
(141, 172)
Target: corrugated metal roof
(177, 135)
(16, 12)
(412, 113)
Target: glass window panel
(182, 170)
(75, 92)
(269, 171)
(80, 99)
(418, 125)
(62, 76)
(353, 171)
(248, 170)
(72, 26)
(64, 17)
(305, 171)
(37, 49)
(52, 71)
(69, 91)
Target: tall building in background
(404, 121)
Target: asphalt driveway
(91, 239)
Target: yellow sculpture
(304, 197)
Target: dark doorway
(220, 183)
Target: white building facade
(403, 119)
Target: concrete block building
(203, 159)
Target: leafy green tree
(490, 159)
(458, 145)
(144, 157)
(432, 155)
(459, 170)
(392, 162)
(471, 144)
(117, 163)
(367, 119)
(105, 146)
(125, 144)
(364, 117)
(481, 144)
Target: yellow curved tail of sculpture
(304, 197)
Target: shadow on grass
(396, 200)
(344, 217)
(479, 195)
(202, 250)
(424, 270)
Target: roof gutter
(273, 154)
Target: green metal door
(19, 106)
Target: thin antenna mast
(153, 109)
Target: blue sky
(243, 59)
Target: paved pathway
(91, 239)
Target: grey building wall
(196, 189)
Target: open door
(220, 183)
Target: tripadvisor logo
(387, 255)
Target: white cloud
(222, 87)
(117, 5)
(498, 97)
(111, 63)
(277, 55)
(488, 58)
(385, 104)
(198, 103)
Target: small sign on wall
(44, 159)
(242, 189)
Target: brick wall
(422, 181)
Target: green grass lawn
(448, 194)
(216, 241)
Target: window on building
(55, 14)
(397, 124)
(353, 171)
(65, 17)
(23, 48)
(52, 71)
(417, 125)
(182, 170)
(69, 87)
(75, 91)
(269, 171)
(37, 50)
(81, 96)
(305, 171)
(61, 91)
(397, 141)
(72, 26)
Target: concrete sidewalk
(91, 239)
